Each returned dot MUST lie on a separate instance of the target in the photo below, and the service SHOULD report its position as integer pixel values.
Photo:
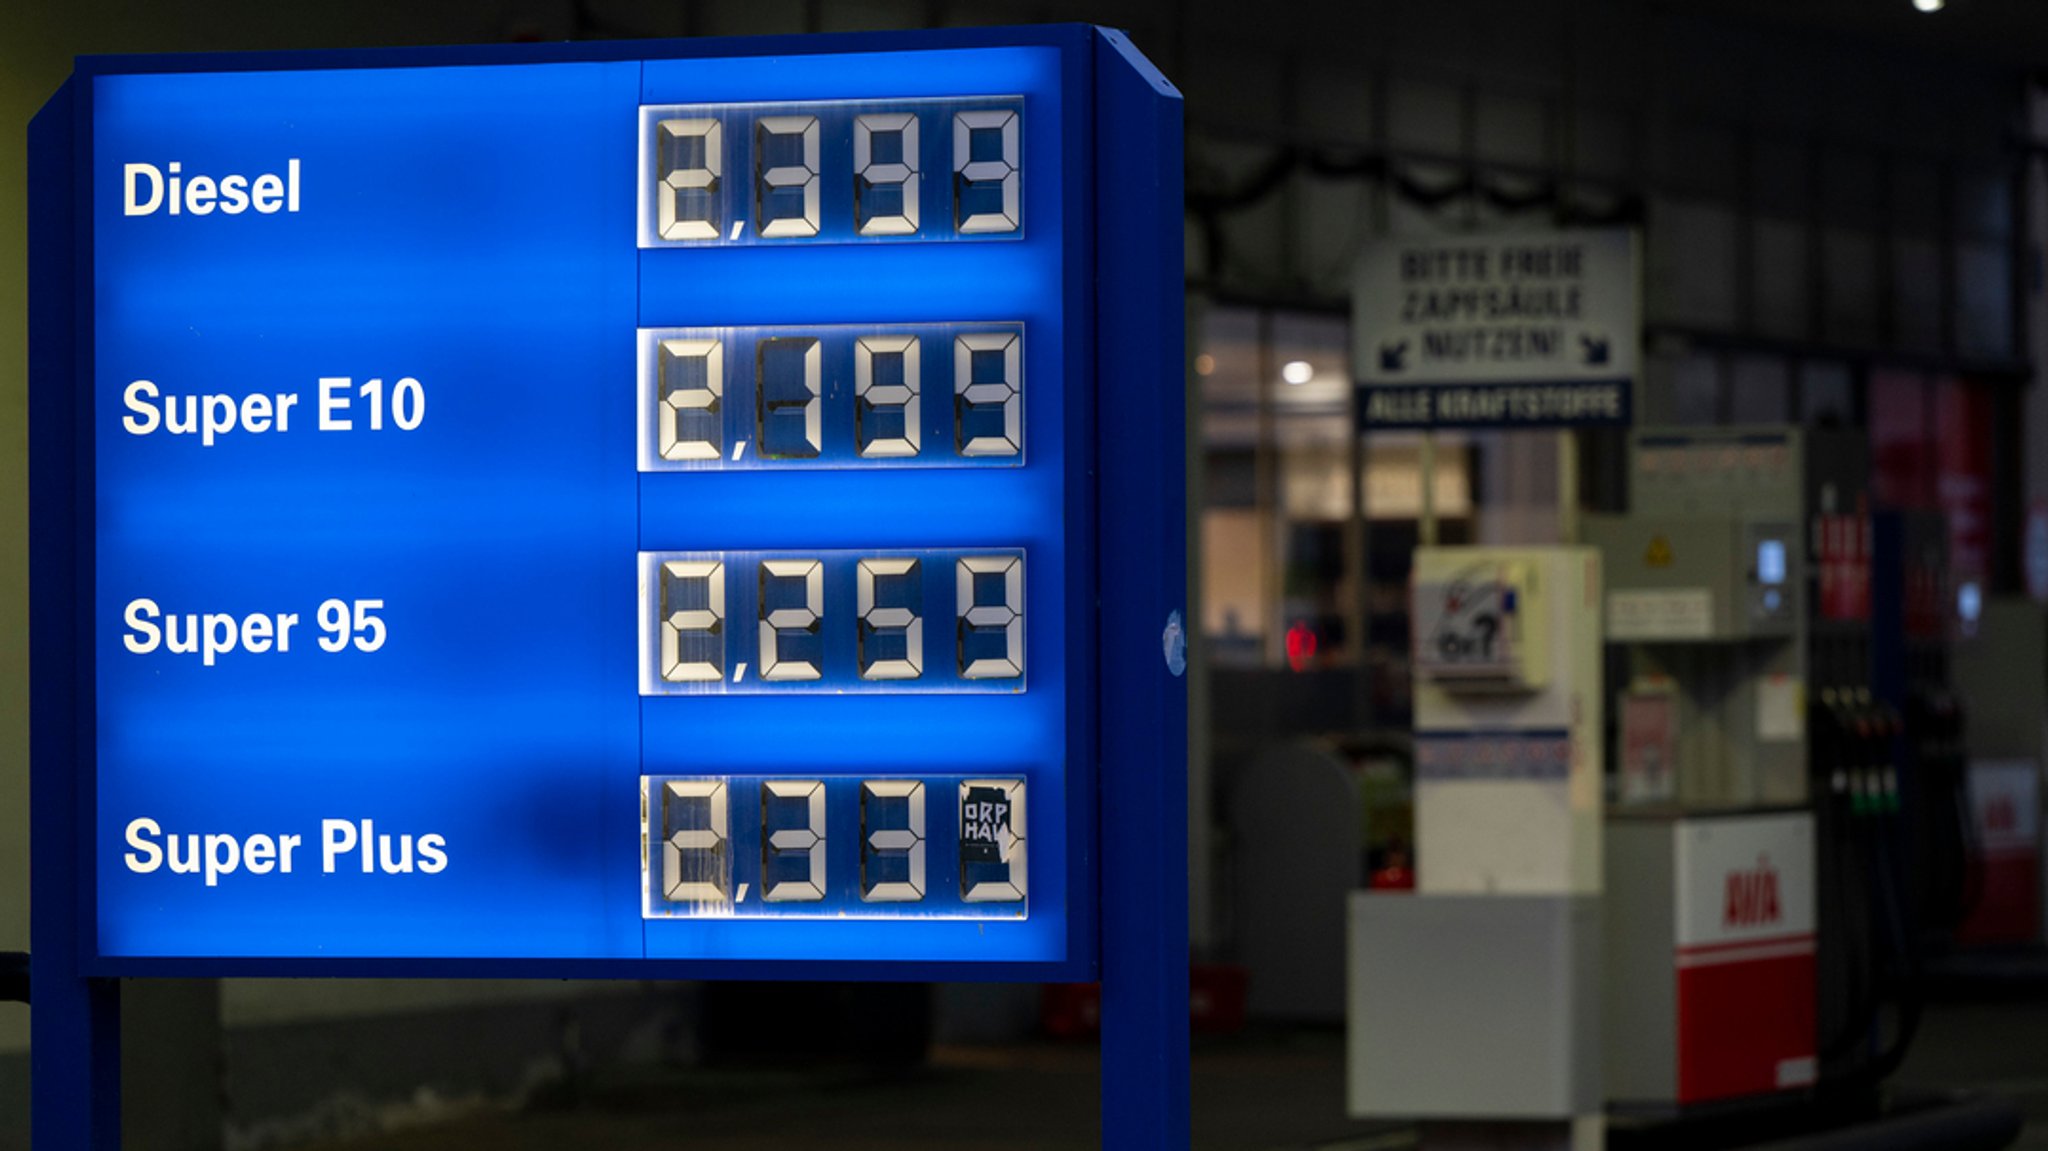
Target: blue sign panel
(593, 511)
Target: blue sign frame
(1096, 724)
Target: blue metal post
(1141, 426)
(75, 1049)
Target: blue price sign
(597, 513)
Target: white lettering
(337, 838)
(211, 855)
(215, 855)
(199, 193)
(234, 195)
(223, 855)
(209, 416)
(210, 635)
(147, 188)
(433, 859)
(143, 635)
(147, 856)
(259, 854)
(129, 205)
(267, 193)
(334, 399)
(187, 862)
(137, 398)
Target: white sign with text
(1514, 329)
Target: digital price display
(590, 508)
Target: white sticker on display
(1679, 613)
(1781, 708)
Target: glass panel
(757, 846)
(744, 622)
(833, 171)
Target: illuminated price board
(609, 509)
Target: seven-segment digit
(874, 641)
(696, 866)
(988, 416)
(985, 171)
(792, 609)
(788, 376)
(692, 621)
(691, 158)
(786, 190)
(992, 863)
(991, 603)
(708, 836)
(892, 841)
(887, 424)
(886, 370)
(792, 840)
(885, 174)
(877, 188)
(690, 377)
(832, 396)
(891, 630)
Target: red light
(1301, 645)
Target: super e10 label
(338, 404)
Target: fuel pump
(1774, 890)
(2002, 669)
(1725, 691)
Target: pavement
(1272, 1089)
(1996, 1047)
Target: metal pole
(1567, 486)
(1201, 849)
(1268, 499)
(1425, 466)
(75, 1035)
(1143, 594)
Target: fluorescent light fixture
(1297, 372)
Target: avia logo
(2001, 814)
(1752, 898)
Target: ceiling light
(1297, 372)
(1929, 5)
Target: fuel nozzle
(1868, 755)
(1830, 734)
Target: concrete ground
(1997, 1047)
(1276, 1090)
(1270, 1090)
